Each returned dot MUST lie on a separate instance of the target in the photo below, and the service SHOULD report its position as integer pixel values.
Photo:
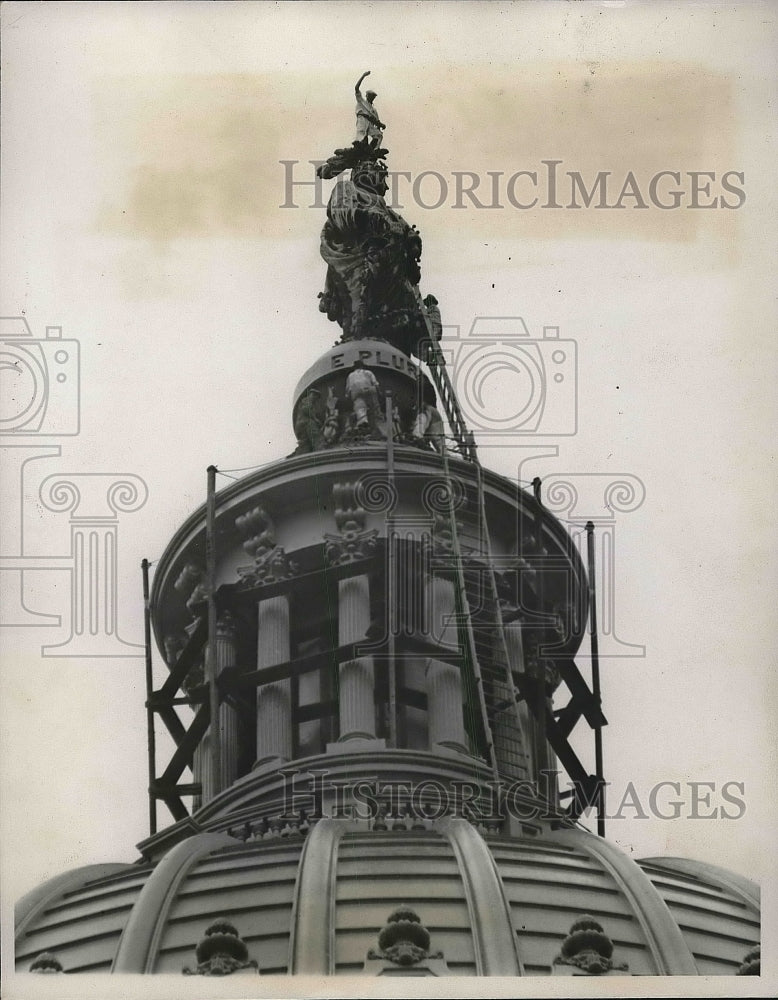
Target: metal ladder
(481, 632)
(483, 636)
(480, 620)
(436, 362)
(501, 695)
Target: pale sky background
(140, 208)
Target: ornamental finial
(221, 952)
(46, 963)
(588, 948)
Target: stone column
(201, 759)
(228, 720)
(201, 770)
(514, 644)
(197, 773)
(356, 681)
(226, 656)
(444, 681)
(274, 709)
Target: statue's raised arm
(369, 125)
(372, 254)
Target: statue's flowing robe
(372, 256)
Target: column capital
(94, 496)
(226, 626)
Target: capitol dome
(307, 855)
(314, 898)
(370, 667)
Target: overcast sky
(142, 187)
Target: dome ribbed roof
(317, 902)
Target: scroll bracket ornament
(270, 563)
(355, 541)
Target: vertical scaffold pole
(598, 766)
(391, 574)
(150, 737)
(542, 755)
(210, 658)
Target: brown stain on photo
(199, 156)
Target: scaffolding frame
(554, 725)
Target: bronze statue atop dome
(372, 254)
